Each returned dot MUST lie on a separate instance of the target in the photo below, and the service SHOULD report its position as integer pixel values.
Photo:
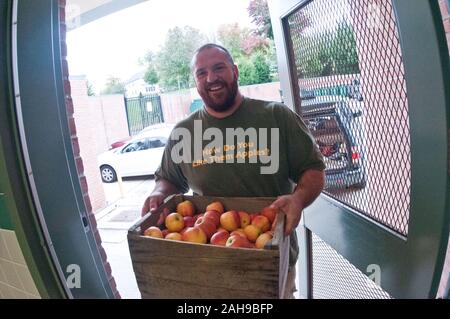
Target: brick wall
(443, 4)
(91, 139)
(175, 106)
(76, 147)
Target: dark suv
(336, 125)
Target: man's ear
(236, 71)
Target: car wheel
(108, 174)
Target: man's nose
(212, 77)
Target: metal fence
(142, 111)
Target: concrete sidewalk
(113, 223)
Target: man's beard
(231, 92)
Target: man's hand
(163, 188)
(292, 206)
(152, 202)
(309, 186)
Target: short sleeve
(171, 171)
(302, 151)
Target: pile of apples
(216, 226)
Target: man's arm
(309, 187)
(163, 188)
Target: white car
(140, 156)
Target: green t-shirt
(260, 150)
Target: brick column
(443, 5)
(76, 148)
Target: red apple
(239, 232)
(194, 235)
(262, 222)
(165, 232)
(174, 236)
(252, 232)
(207, 225)
(237, 241)
(219, 238)
(186, 208)
(189, 221)
(174, 222)
(245, 219)
(269, 213)
(214, 216)
(263, 239)
(153, 231)
(217, 206)
(230, 220)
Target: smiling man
(257, 133)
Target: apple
(189, 221)
(269, 213)
(198, 216)
(194, 235)
(239, 232)
(186, 208)
(217, 206)
(252, 232)
(220, 238)
(252, 216)
(230, 220)
(173, 236)
(153, 231)
(207, 225)
(174, 222)
(262, 222)
(237, 241)
(245, 218)
(165, 232)
(263, 239)
(214, 216)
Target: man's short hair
(212, 46)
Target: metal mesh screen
(353, 98)
(336, 278)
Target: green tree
(172, 63)
(232, 37)
(90, 89)
(327, 53)
(114, 86)
(262, 68)
(151, 74)
(258, 10)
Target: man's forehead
(210, 56)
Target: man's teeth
(215, 88)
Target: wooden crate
(176, 269)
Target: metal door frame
(421, 255)
(43, 130)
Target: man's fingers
(279, 203)
(162, 217)
(145, 207)
(151, 204)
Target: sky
(112, 46)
